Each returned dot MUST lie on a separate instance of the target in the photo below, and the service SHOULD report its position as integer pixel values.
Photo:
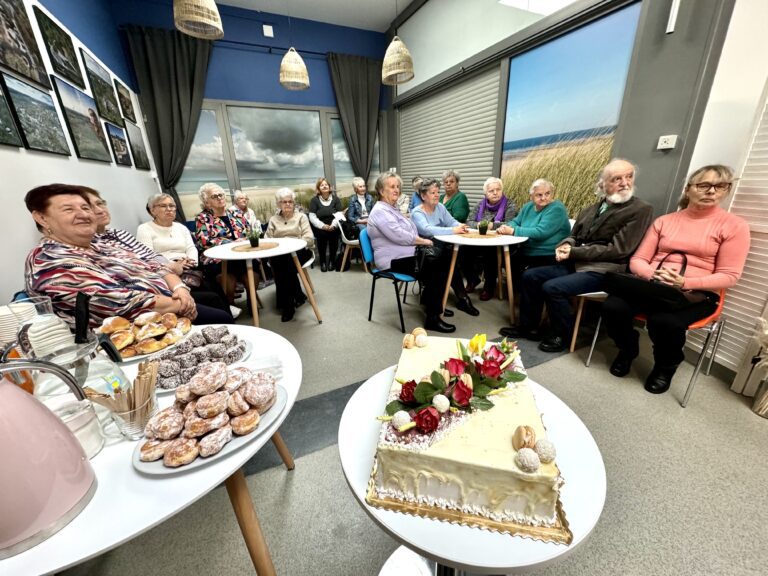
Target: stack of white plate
(48, 333)
(10, 322)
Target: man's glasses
(719, 187)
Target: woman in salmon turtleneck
(716, 244)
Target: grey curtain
(357, 83)
(171, 68)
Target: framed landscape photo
(83, 123)
(18, 48)
(101, 87)
(9, 134)
(135, 139)
(36, 114)
(126, 104)
(60, 49)
(119, 144)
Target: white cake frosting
(468, 463)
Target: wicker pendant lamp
(398, 64)
(293, 71)
(198, 18)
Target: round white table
(472, 549)
(225, 252)
(128, 503)
(500, 241)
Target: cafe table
(502, 242)
(268, 247)
(455, 547)
(127, 503)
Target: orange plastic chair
(714, 324)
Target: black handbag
(657, 295)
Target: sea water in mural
(563, 104)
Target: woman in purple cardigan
(394, 239)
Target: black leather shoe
(660, 378)
(300, 299)
(287, 315)
(554, 344)
(331, 267)
(622, 363)
(518, 332)
(436, 324)
(448, 312)
(465, 305)
(323, 267)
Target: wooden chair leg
(347, 249)
(576, 323)
(309, 281)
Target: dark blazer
(605, 243)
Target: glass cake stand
(452, 549)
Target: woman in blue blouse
(360, 204)
(433, 219)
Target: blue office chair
(396, 277)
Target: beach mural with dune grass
(562, 108)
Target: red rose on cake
(406, 392)
(455, 366)
(493, 353)
(427, 419)
(462, 391)
(489, 368)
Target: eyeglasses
(216, 196)
(706, 186)
(286, 202)
(166, 206)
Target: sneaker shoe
(235, 311)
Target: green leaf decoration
(424, 392)
(510, 376)
(491, 382)
(480, 403)
(438, 382)
(481, 390)
(395, 406)
(463, 351)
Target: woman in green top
(544, 221)
(453, 199)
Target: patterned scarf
(498, 210)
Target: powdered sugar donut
(190, 409)
(212, 405)
(260, 392)
(236, 405)
(213, 443)
(236, 377)
(166, 425)
(181, 451)
(196, 426)
(153, 450)
(209, 378)
(245, 424)
(184, 394)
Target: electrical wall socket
(667, 142)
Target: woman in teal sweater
(454, 200)
(544, 221)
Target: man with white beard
(603, 238)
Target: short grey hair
(384, 177)
(538, 183)
(492, 180)
(454, 173)
(206, 190)
(155, 199)
(357, 181)
(609, 169)
(239, 194)
(284, 193)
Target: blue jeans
(555, 286)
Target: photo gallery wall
(98, 122)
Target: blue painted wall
(250, 74)
(92, 22)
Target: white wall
(443, 33)
(741, 76)
(125, 188)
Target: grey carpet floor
(687, 488)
